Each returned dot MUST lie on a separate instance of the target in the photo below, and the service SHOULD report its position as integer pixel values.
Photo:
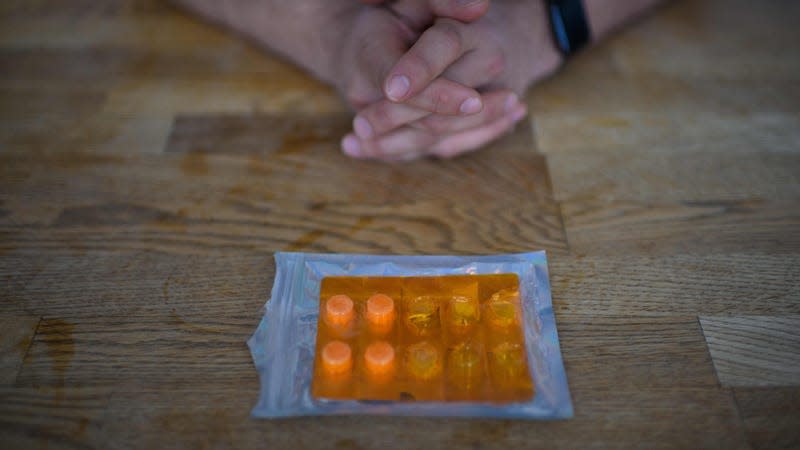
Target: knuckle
(372, 149)
(447, 32)
(441, 101)
(497, 65)
(358, 94)
(426, 141)
(433, 125)
(421, 65)
(356, 100)
(381, 115)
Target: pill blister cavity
(422, 316)
(423, 361)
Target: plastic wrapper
(471, 336)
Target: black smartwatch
(569, 26)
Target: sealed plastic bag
(410, 335)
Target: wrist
(535, 46)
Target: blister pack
(410, 335)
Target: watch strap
(569, 25)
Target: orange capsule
(379, 360)
(380, 313)
(339, 311)
(337, 358)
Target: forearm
(604, 16)
(530, 22)
(305, 32)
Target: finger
(384, 116)
(401, 144)
(466, 141)
(465, 11)
(416, 13)
(495, 105)
(438, 47)
(376, 56)
(443, 96)
(477, 68)
(421, 13)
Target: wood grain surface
(754, 350)
(151, 165)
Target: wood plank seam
(739, 412)
(729, 390)
(534, 137)
(754, 350)
(559, 210)
(710, 357)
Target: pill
(422, 316)
(380, 313)
(464, 314)
(464, 365)
(501, 314)
(508, 362)
(337, 358)
(422, 361)
(379, 359)
(339, 311)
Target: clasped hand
(425, 77)
(431, 77)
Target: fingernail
(398, 87)
(362, 128)
(351, 146)
(511, 102)
(471, 105)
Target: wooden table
(151, 165)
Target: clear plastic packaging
(361, 344)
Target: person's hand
(420, 14)
(342, 42)
(353, 47)
(491, 54)
(429, 133)
(433, 134)
(374, 39)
